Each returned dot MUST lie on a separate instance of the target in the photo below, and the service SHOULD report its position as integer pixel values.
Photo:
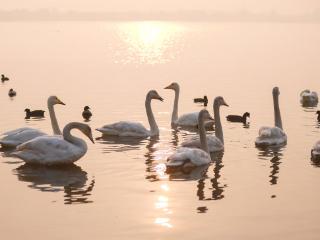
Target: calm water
(119, 189)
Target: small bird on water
(86, 114)
(12, 93)
(203, 100)
(34, 113)
(4, 78)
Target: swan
(86, 114)
(193, 157)
(185, 120)
(34, 113)
(308, 98)
(53, 150)
(318, 113)
(12, 93)
(273, 135)
(134, 129)
(315, 151)
(215, 143)
(237, 118)
(15, 137)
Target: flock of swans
(36, 147)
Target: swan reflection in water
(70, 178)
(120, 144)
(274, 154)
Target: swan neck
(154, 130)
(277, 115)
(69, 137)
(203, 136)
(218, 126)
(53, 118)
(174, 116)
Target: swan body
(215, 143)
(315, 152)
(52, 150)
(134, 129)
(308, 98)
(270, 136)
(237, 118)
(185, 120)
(86, 114)
(193, 157)
(18, 136)
(34, 113)
(12, 93)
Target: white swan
(134, 129)
(315, 151)
(215, 143)
(52, 150)
(18, 136)
(193, 157)
(185, 120)
(269, 136)
(308, 98)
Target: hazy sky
(283, 6)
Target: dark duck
(237, 118)
(12, 93)
(86, 114)
(34, 113)
(203, 100)
(4, 78)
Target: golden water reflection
(149, 42)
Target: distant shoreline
(184, 16)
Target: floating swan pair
(34, 146)
(195, 152)
(133, 129)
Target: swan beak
(211, 118)
(91, 139)
(168, 87)
(225, 104)
(160, 98)
(60, 102)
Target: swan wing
(188, 119)
(124, 128)
(49, 150)
(271, 136)
(214, 143)
(197, 156)
(19, 136)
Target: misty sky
(281, 6)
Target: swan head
(318, 112)
(11, 90)
(86, 130)
(86, 108)
(246, 114)
(204, 115)
(55, 100)
(27, 110)
(173, 86)
(2, 75)
(219, 101)
(276, 91)
(154, 95)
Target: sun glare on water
(149, 42)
